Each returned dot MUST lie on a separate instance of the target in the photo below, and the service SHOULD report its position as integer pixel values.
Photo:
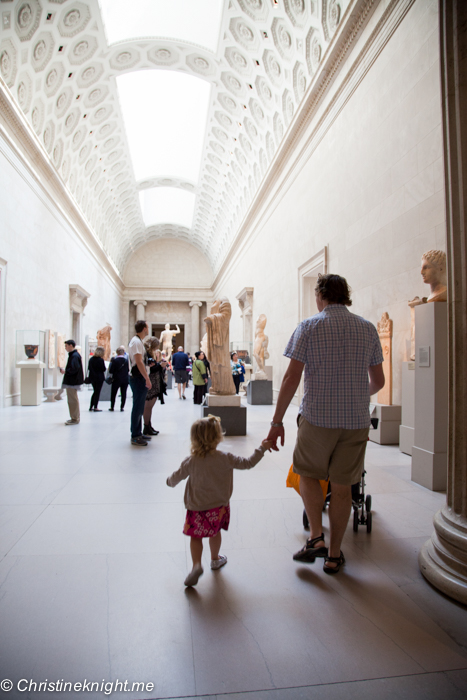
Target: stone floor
(93, 561)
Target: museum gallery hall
(197, 165)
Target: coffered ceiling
(56, 59)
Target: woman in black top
(158, 386)
(119, 369)
(96, 370)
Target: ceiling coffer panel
(55, 60)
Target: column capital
(142, 302)
(195, 303)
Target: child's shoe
(193, 576)
(217, 563)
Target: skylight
(194, 21)
(167, 205)
(165, 115)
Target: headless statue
(260, 348)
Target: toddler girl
(208, 490)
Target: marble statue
(51, 346)
(384, 328)
(260, 347)
(62, 355)
(103, 339)
(166, 340)
(217, 324)
(434, 273)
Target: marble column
(195, 306)
(140, 314)
(443, 559)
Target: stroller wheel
(306, 523)
(368, 504)
(355, 521)
(368, 522)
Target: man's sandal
(339, 561)
(309, 552)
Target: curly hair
(333, 289)
(151, 344)
(435, 257)
(205, 435)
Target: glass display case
(244, 350)
(30, 345)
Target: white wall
(372, 191)
(167, 262)
(44, 256)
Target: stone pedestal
(389, 420)
(443, 559)
(429, 452)
(31, 382)
(259, 393)
(170, 380)
(230, 411)
(407, 428)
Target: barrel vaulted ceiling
(65, 75)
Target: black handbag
(87, 380)
(109, 379)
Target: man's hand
(62, 371)
(273, 436)
(148, 383)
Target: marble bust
(166, 340)
(217, 325)
(434, 273)
(260, 347)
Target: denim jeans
(138, 387)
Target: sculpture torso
(260, 347)
(217, 324)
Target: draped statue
(217, 325)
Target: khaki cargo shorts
(337, 454)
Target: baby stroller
(361, 504)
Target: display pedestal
(406, 430)
(259, 392)
(389, 420)
(429, 452)
(230, 411)
(169, 380)
(31, 382)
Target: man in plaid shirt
(342, 357)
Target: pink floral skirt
(206, 523)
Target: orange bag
(293, 482)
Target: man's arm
(287, 391)
(377, 379)
(140, 365)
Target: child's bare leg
(215, 545)
(196, 548)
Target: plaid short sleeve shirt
(337, 348)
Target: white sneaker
(217, 563)
(193, 576)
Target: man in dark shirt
(72, 380)
(180, 363)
